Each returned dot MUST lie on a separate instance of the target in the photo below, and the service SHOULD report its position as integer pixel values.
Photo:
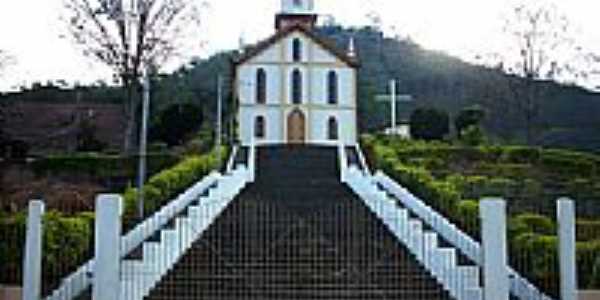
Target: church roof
(328, 45)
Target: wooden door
(296, 127)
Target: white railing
(252, 163)
(519, 286)
(461, 282)
(343, 161)
(139, 277)
(231, 160)
(362, 160)
(77, 282)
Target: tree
(467, 117)
(540, 46)
(129, 35)
(429, 124)
(176, 123)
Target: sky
(30, 30)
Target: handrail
(519, 287)
(75, 283)
(343, 160)
(252, 162)
(146, 229)
(231, 160)
(363, 161)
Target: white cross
(393, 98)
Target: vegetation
(177, 122)
(165, 185)
(469, 117)
(68, 236)
(131, 43)
(429, 124)
(452, 178)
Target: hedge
(68, 238)
(572, 163)
(531, 236)
(100, 165)
(165, 185)
(67, 242)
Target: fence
(535, 275)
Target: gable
(271, 50)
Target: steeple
(294, 12)
(303, 7)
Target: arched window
(332, 88)
(332, 129)
(261, 86)
(297, 87)
(297, 50)
(260, 127)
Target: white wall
(315, 66)
(247, 83)
(273, 124)
(346, 125)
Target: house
(295, 87)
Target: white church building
(295, 87)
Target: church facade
(295, 87)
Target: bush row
(67, 242)
(576, 164)
(528, 233)
(100, 165)
(165, 185)
(68, 238)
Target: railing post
(343, 162)
(567, 248)
(107, 285)
(252, 162)
(493, 235)
(32, 265)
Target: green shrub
(531, 223)
(498, 187)
(176, 123)
(468, 215)
(588, 264)
(100, 165)
(66, 243)
(429, 124)
(473, 136)
(165, 185)
(521, 155)
(588, 230)
(469, 117)
(567, 162)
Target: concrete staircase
(297, 233)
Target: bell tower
(296, 12)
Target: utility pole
(219, 129)
(143, 141)
(393, 103)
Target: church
(296, 87)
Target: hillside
(568, 116)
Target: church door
(296, 127)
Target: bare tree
(126, 35)
(540, 46)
